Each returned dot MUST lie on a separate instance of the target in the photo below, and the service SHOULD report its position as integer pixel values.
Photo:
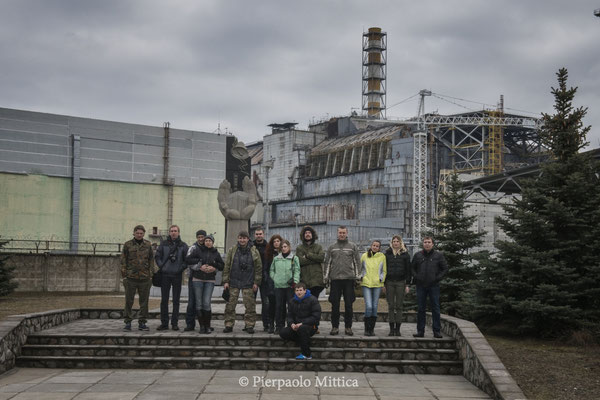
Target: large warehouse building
(76, 180)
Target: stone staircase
(100, 343)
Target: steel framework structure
(419, 182)
(374, 73)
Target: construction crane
(476, 143)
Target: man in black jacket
(170, 258)
(428, 268)
(304, 314)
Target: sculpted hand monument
(240, 204)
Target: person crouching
(304, 315)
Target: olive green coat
(311, 256)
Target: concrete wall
(39, 143)
(39, 272)
(286, 149)
(38, 207)
(35, 206)
(344, 183)
(328, 208)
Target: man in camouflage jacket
(136, 270)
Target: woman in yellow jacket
(373, 273)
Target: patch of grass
(549, 370)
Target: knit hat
(201, 232)
(210, 237)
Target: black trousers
(316, 290)
(301, 337)
(341, 287)
(190, 311)
(267, 307)
(169, 281)
(282, 296)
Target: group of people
(289, 284)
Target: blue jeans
(202, 294)
(434, 299)
(371, 296)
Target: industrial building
(382, 177)
(68, 182)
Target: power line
(452, 102)
(405, 100)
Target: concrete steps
(100, 344)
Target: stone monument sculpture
(237, 206)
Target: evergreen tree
(455, 237)
(6, 274)
(546, 279)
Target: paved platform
(61, 384)
(114, 326)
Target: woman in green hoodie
(285, 272)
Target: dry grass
(548, 370)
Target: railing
(60, 247)
(42, 246)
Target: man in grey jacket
(342, 273)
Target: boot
(369, 326)
(207, 318)
(372, 326)
(397, 330)
(392, 329)
(200, 315)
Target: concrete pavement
(62, 384)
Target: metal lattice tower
(420, 173)
(495, 143)
(374, 72)
(419, 186)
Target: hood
(289, 257)
(307, 294)
(312, 230)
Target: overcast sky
(246, 64)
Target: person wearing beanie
(190, 311)
(242, 274)
(204, 263)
